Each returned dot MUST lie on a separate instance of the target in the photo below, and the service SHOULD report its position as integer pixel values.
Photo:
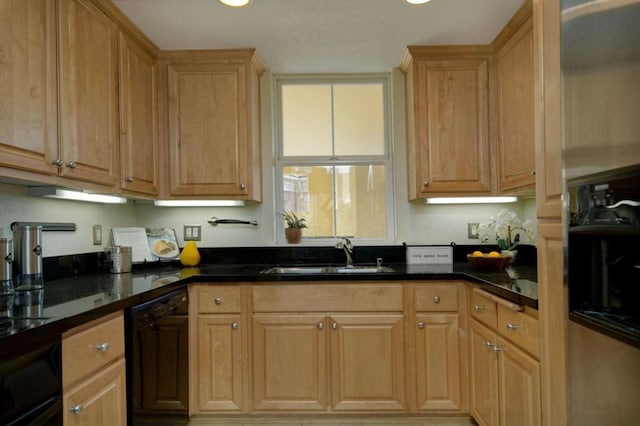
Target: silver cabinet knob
(478, 308)
(58, 162)
(320, 325)
(217, 301)
(513, 327)
(234, 326)
(436, 299)
(533, 172)
(243, 186)
(77, 409)
(102, 347)
(425, 183)
(71, 164)
(129, 179)
(334, 325)
(421, 325)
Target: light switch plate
(472, 231)
(192, 233)
(97, 235)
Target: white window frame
(385, 160)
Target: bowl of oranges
(492, 261)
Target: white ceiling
(320, 36)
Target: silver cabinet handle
(71, 164)
(421, 325)
(334, 325)
(425, 183)
(478, 308)
(234, 326)
(102, 347)
(243, 186)
(497, 348)
(513, 327)
(77, 409)
(320, 326)
(129, 179)
(489, 345)
(436, 299)
(58, 162)
(217, 301)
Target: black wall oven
(604, 253)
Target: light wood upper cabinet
(448, 148)
(28, 105)
(213, 124)
(88, 70)
(515, 138)
(138, 123)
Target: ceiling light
(470, 200)
(412, 1)
(68, 194)
(198, 203)
(236, 3)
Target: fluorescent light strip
(67, 194)
(235, 3)
(198, 203)
(417, 1)
(470, 200)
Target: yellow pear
(190, 255)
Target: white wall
(416, 223)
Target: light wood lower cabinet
(93, 373)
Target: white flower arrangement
(503, 227)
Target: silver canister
(27, 252)
(6, 267)
(118, 259)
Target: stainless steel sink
(310, 270)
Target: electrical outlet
(472, 231)
(192, 233)
(97, 235)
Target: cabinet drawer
(316, 297)
(90, 348)
(484, 309)
(437, 298)
(519, 328)
(213, 299)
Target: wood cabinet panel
(438, 362)
(484, 375)
(28, 106)
(220, 364)
(290, 362)
(98, 401)
(436, 298)
(88, 65)
(484, 309)
(367, 362)
(448, 148)
(520, 328)
(215, 299)
(138, 124)
(516, 150)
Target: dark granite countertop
(67, 302)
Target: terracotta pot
(293, 235)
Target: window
(333, 157)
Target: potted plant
(505, 226)
(293, 231)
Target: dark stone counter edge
(51, 331)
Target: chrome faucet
(347, 246)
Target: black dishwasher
(157, 358)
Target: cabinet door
(138, 135)
(88, 93)
(164, 366)
(208, 129)
(519, 386)
(289, 362)
(98, 401)
(451, 147)
(516, 149)
(438, 361)
(484, 375)
(28, 122)
(220, 354)
(367, 362)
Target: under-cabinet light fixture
(68, 194)
(236, 3)
(470, 200)
(417, 1)
(198, 203)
